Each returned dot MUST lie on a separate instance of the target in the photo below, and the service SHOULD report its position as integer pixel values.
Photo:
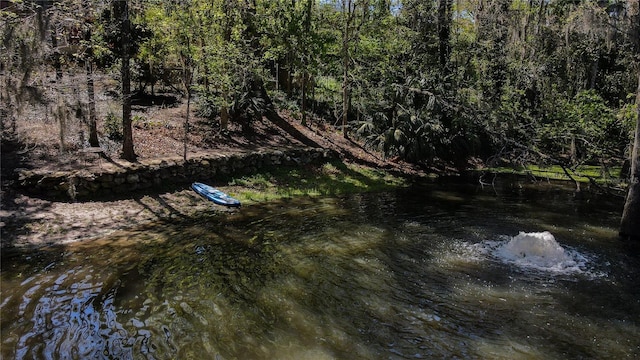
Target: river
(418, 273)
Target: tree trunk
(186, 126)
(127, 132)
(61, 114)
(57, 63)
(93, 128)
(224, 117)
(187, 77)
(573, 151)
(630, 224)
(345, 96)
(593, 74)
(224, 109)
(444, 32)
(348, 14)
(304, 98)
(305, 73)
(277, 76)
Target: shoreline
(31, 222)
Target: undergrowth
(330, 179)
(582, 174)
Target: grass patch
(333, 178)
(581, 173)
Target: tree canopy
(422, 80)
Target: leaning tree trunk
(630, 224)
(127, 131)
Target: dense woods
(503, 81)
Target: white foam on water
(538, 251)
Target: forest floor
(34, 143)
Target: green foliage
(248, 106)
(425, 80)
(283, 102)
(333, 178)
(585, 174)
(113, 126)
(627, 115)
(587, 126)
(107, 37)
(208, 106)
(212, 45)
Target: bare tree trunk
(444, 31)
(573, 151)
(224, 109)
(304, 98)
(348, 14)
(305, 72)
(345, 96)
(224, 117)
(277, 76)
(62, 115)
(187, 78)
(630, 224)
(57, 63)
(93, 128)
(186, 125)
(127, 132)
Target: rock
(156, 173)
(133, 178)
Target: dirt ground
(34, 142)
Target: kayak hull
(214, 195)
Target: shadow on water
(390, 275)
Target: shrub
(113, 126)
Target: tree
(289, 45)
(348, 36)
(444, 31)
(85, 26)
(93, 128)
(121, 8)
(187, 25)
(80, 49)
(187, 78)
(630, 222)
(307, 44)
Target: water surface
(405, 275)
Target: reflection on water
(375, 276)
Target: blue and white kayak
(215, 195)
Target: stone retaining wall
(127, 178)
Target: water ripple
(73, 315)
